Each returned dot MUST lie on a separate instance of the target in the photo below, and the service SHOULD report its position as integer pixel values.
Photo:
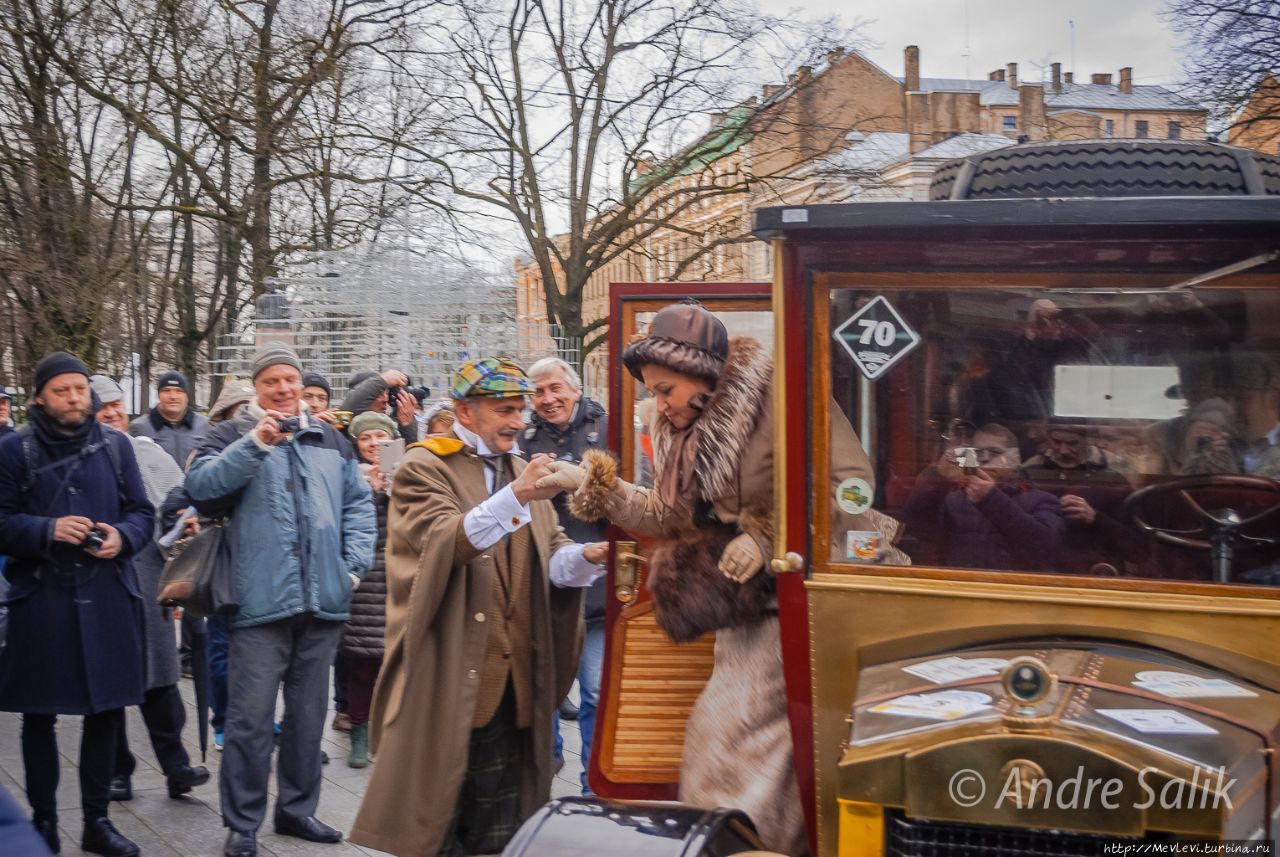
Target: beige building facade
(848, 130)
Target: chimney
(917, 104)
(1056, 70)
(801, 75)
(998, 74)
(1031, 118)
(1069, 77)
(911, 78)
(1126, 80)
(770, 89)
(1011, 76)
(1102, 79)
(834, 55)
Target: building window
(1141, 129)
(1110, 129)
(1175, 130)
(1010, 123)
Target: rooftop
(1085, 96)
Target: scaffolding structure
(354, 310)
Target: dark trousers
(97, 758)
(341, 673)
(218, 646)
(362, 675)
(488, 812)
(164, 714)
(298, 652)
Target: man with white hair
(566, 424)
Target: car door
(650, 684)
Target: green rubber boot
(359, 757)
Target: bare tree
(585, 123)
(1233, 57)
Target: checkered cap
(492, 377)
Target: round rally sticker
(854, 496)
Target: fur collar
(728, 421)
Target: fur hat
(683, 337)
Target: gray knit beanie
(370, 420)
(274, 354)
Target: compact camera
(289, 425)
(95, 539)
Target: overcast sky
(1109, 34)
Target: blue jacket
(302, 519)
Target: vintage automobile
(1066, 372)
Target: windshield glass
(1007, 428)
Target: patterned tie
(497, 464)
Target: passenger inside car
(992, 517)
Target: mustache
(508, 432)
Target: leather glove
(741, 559)
(565, 476)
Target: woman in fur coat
(711, 510)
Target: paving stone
(192, 826)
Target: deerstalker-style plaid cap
(492, 377)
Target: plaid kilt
(488, 811)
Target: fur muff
(691, 596)
(591, 501)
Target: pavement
(192, 826)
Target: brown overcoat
(439, 588)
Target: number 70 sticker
(876, 337)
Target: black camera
(393, 394)
(289, 425)
(95, 540)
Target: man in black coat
(566, 424)
(73, 509)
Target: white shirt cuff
(569, 568)
(486, 524)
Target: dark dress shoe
(121, 788)
(101, 837)
(186, 779)
(48, 830)
(241, 844)
(310, 828)
(568, 711)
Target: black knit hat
(315, 379)
(53, 365)
(683, 337)
(173, 378)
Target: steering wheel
(1220, 530)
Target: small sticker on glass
(862, 545)
(854, 495)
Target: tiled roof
(1085, 96)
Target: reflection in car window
(1013, 435)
